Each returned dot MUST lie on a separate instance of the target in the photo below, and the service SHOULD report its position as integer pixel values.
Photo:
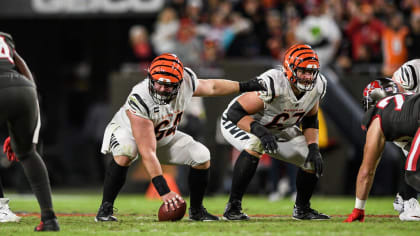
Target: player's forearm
(220, 87)
(152, 165)
(245, 123)
(311, 135)
(364, 183)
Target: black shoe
(307, 213)
(105, 212)
(48, 225)
(233, 211)
(201, 214)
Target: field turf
(138, 216)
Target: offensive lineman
(267, 122)
(407, 78)
(20, 110)
(390, 116)
(146, 127)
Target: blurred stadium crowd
(72, 59)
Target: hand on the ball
(171, 201)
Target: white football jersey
(165, 118)
(281, 107)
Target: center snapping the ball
(170, 215)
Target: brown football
(172, 215)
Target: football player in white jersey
(268, 122)
(407, 78)
(146, 127)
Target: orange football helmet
(301, 57)
(168, 71)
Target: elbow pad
(310, 122)
(236, 112)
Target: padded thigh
(183, 150)
(19, 106)
(119, 142)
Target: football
(172, 215)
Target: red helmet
(302, 57)
(376, 90)
(166, 70)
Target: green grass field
(138, 215)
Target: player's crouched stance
(146, 127)
(390, 116)
(267, 122)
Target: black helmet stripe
(413, 72)
(166, 59)
(304, 59)
(298, 49)
(151, 69)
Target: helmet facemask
(163, 97)
(303, 84)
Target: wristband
(360, 204)
(160, 184)
(258, 129)
(313, 147)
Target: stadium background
(84, 65)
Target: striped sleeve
(193, 76)
(324, 85)
(137, 106)
(268, 78)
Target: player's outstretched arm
(144, 134)
(375, 142)
(221, 87)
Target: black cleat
(105, 212)
(233, 211)
(201, 214)
(307, 213)
(48, 225)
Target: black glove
(268, 140)
(252, 85)
(314, 157)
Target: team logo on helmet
(168, 71)
(301, 57)
(376, 90)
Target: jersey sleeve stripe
(192, 77)
(324, 90)
(142, 103)
(413, 155)
(413, 72)
(273, 91)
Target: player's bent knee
(199, 156)
(22, 155)
(413, 179)
(123, 160)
